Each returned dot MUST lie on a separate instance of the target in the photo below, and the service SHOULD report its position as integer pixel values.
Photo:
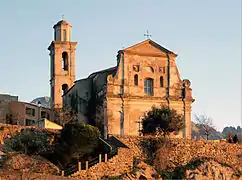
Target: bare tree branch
(205, 122)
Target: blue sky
(206, 35)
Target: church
(115, 99)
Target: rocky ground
(212, 169)
(190, 159)
(177, 159)
(142, 171)
(20, 166)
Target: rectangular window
(30, 111)
(148, 87)
(45, 114)
(29, 122)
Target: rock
(212, 170)
(142, 171)
(26, 163)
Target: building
(27, 114)
(45, 123)
(5, 100)
(116, 99)
(62, 58)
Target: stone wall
(182, 151)
(119, 164)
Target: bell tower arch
(62, 62)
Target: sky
(205, 34)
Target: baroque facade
(116, 99)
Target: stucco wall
(146, 62)
(78, 96)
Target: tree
(163, 118)
(80, 137)
(76, 140)
(63, 116)
(205, 123)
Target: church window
(64, 32)
(148, 86)
(136, 80)
(64, 88)
(65, 61)
(161, 81)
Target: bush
(29, 141)
(80, 137)
(76, 141)
(151, 145)
(162, 118)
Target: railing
(69, 170)
(88, 164)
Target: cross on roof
(147, 34)
(62, 16)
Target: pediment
(148, 47)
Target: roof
(29, 104)
(109, 71)
(154, 44)
(43, 101)
(61, 22)
(8, 97)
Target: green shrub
(81, 138)
(163, 118)
(29, 141)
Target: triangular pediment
(148, 47)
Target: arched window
(161, 81)
(149, 86)
(136, 81)
(64, 88)
(64, 33)
(65, 61)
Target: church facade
(116, 99)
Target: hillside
(136, 158)
(189, 159)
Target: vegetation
(64, 116)
(80, 137)
(75, 141)
(232, 130)
(162, 119)
(205, 123)
(151, 145)
(29, 141)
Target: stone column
(188, 126)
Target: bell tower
(62, 62)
